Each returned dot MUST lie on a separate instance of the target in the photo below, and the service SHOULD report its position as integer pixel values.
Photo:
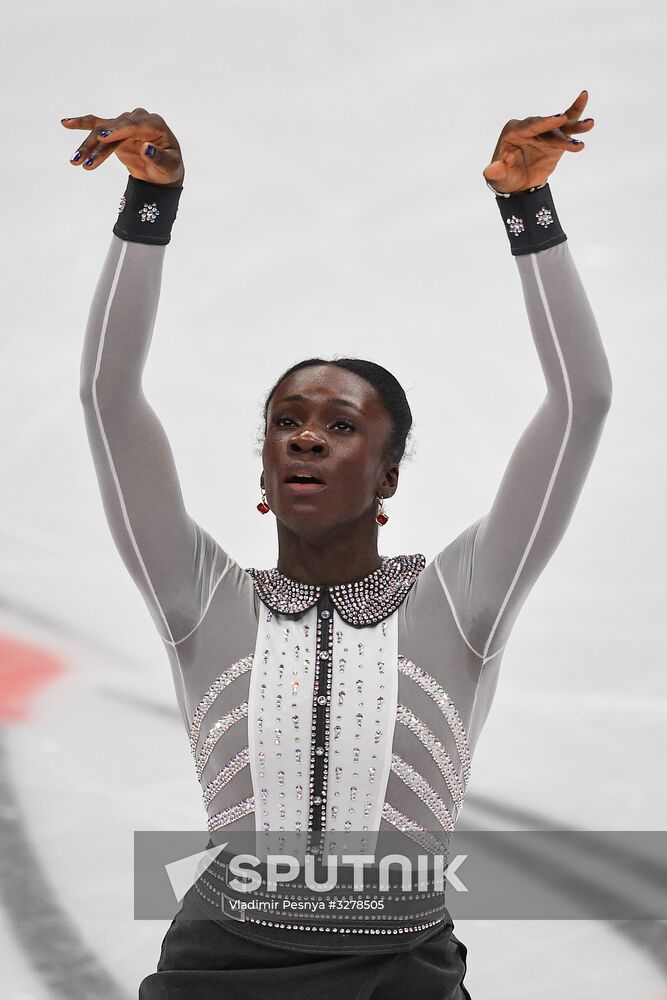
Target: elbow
(86, 393)
(599, 397)
(107, 394)
(595, 403)
(87, 378)
(586, 403)
(88, 390)
(592, 396)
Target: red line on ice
(24, 671)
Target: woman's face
(329, 425)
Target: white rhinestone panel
(361, 720)
(280, 710)
(364, 695)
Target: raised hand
(143, 142)
(528, 150)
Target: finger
(114, 130)
(535, 126)
(578, 104)
(91, 141)
(566, 131)
(166, 162)
(82, 153)
(566, 126)
(98, 155)
(558, 140)
(495, 171)
(584, 126)
(141, 131)
(581, 101)
(544, 133)
(83, 121)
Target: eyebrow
(338, 401)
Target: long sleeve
(489, 569)
(171, 559)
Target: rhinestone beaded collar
(360, 603)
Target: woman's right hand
(142, 141)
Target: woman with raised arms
(341, 690)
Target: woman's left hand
(528, 150)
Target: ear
(389, 482)
(261, 480)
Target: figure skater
(341, 689)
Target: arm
(489, 570)
(171, 559)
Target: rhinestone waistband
(218, 906)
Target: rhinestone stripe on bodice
(216, 688)
(415, 831)
(446, 706)
(218, 730)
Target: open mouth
(304, 479)
(304, 483)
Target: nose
(307, 440)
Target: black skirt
(204, 960)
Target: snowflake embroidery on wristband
(122, 204)
(544, 217)
(149, 213)
(515, 225)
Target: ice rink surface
(334, 204)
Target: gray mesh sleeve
(173, 561)
(489, 569)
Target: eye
(280, 421)
(343, 423)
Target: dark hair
(387, 386)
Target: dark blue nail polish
(77, 156)
(87, 162)
(150, 150)
(105, 132)
(577, 142)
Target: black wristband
(531, 221)
(147, 212)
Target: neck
(346, 555)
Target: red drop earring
(263, 506)
(381, 518)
